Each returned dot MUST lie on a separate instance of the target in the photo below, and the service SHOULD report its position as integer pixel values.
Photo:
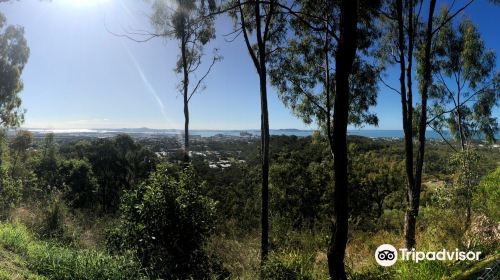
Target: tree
(264, 22)
(372, 177)
(49, 164)
(466, 87)
(297, 189)
(408, 37)
(14, 53)
(79, 182)
(20, 145)
(464, 94)
(324, 37)
(189, 24)
(119, 164)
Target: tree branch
(247, 40)
(214, 60)
(451, 17)
(382, 80)
(442, 137)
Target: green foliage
(22, 142)
(10, 193)
(80, 184)
(118, 164)
(166, 222)
(488, 196)
(459, 194)
(14, 53)
(466, 88)
(54, 219)
(49, 163)
(372, 179)
(55, 262)
(308, 90)
(422, 270)
(288, 266)
(298, 189)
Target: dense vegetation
(113, 209)
(314, 207)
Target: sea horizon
(370, 133)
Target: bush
(166, 222)
(53, 219)
(488, 197)
(10, 193)
(483, 235)
(288, 266)
(80, 183)
(59, 263)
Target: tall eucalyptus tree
(322, 74)
(466, 87)
(261, 22)
(190, 23)
(14, 53)
(465, 91)
(409, 36)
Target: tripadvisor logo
(387, 255)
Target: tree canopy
(14, 53)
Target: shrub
(59, 263)
(288, 266)
(488, 197)
(167, 222)
(80, 182)
(53, 225)
(483, 235)
(10, 193)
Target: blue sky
(81, 76)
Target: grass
(476, 270)
(23, 257)
(301, 254)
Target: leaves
(466, 87)
(14, 53)
(303, 71)
(189, 24)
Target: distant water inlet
(371, 133)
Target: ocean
(371, 133)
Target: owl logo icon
(386, 255)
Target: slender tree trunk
(261, 44)
(185, 92)
(328, 90)
(409, 79)
(265, 169)
(414, 196)
(259, 60)
(345, 56)
(459, 118)
(407, 111)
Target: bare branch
(309, 97)
(214, 60)
(451, 17)
(442, 137)
(387, 85)
(146, 35)
(234, 37)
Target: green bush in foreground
(167, 223)
(55, 262)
